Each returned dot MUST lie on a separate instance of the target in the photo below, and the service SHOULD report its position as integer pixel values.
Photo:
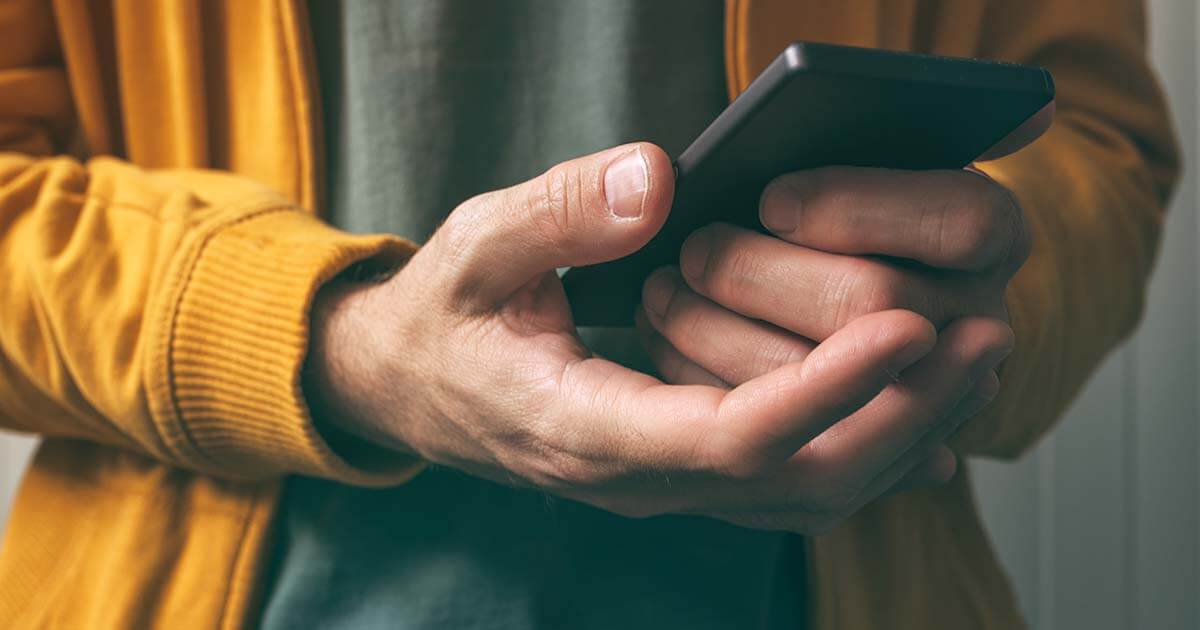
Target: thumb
(581, 212)
(1026, 133)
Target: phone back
(819, 105)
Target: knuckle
(979, 238)
(867, 287)
(734, 269)
(883, 293)
(459, 236)
(460, 228)
(773, 353)
(1013, 240)
(688, 323)
(557, 202)
(991, 230)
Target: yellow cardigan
(153, 314)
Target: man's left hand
(847, 242)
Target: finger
(730, 346)
(814, 293)
(851, 454)
(585, 211)
(744, 432)
(1030, 130)
(947, 219)
(672, 366)
(834, 470)
(935, 470)
(841, 375)
(932, 463)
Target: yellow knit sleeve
(167, 312)
(1094, 189)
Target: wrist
(339, 369)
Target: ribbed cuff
(231, 400)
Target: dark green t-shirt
(427, 103)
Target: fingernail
(989, 361)
(694, 254)
(625, 184)
(987, 387)
(945, 465)
(908, 355)
(656, 294)
(983, 392)
(779, 208)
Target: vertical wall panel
(1090, 578)
(1010, 505)
(1047, 532)
(14, 453)
(1194, 171)
(1166, 415)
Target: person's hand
(847, 242)
(467, 357)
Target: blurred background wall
(14, 453)
(1098, 526)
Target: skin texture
(802, 376)
(847, 242)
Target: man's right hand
(468, 357)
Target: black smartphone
(819, 105)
